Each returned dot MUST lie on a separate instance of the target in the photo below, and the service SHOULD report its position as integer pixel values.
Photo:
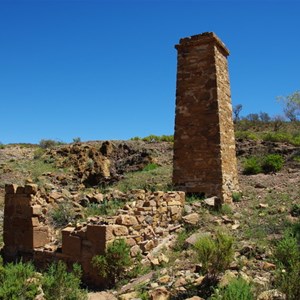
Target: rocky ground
(256, 219)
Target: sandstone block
(20, 190)
(36, 210)
(120, 230)
(31, 189)
(71, 245)
(191, 219)
(127, 220)
(10, 188)
(35, 222)
(40, 236)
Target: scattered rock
(160, 293)
(271, 295)
(213, 202)
(191, 219)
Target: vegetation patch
(215, 254)
(113, 265)
(237, 289)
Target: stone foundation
(145, 218)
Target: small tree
(291, 105)
(236, 112)
(264, 117)
(113, 264)
(278, 122)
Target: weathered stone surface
(127, 220)
(191, 219)
(204, 144)
(161, 293)
(271, 295)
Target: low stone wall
(143, 220)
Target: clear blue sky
(107, 69)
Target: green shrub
(58, 284)
(215, 254)
(38, 153)
(155, 138)
(272, 163)
(46, 144)
(246, 135)
(136, 138)
(113, 264)
(61, 215)
(252, 166)
(76, 140)
(191, 197)
(237, 289)
(287, 256)
(180, 241)
(18, 282)
(150, 167)
(295, 210)
(1, 146)
(106, 207)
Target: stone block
(40, 236)
(21, 223)
(20, 190)
(8, 238)
(71, 245)
(10, 188)
(22, 200)
(35, 221)
(120, 230)
(96, 234)
(9, 210)
(126, 220)
(24, 238)
(31, 189)
(36, 210)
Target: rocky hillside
(257, 219)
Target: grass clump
(236, 196)
(107, 207)
(158, 179)
(113, 264)
(237, 289)
(61, 215)
(58, 284)
(150, 167)
(215, 254)
(287, 256)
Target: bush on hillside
(237, 289)
(18, 281)
(252, 166)
(287, 256)
(272, 163)
(113, 264)
(215, 254)
(59, 284)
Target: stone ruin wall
(28, 234)
(204, 144)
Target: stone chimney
(204, 142)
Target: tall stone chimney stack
(204, 143)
